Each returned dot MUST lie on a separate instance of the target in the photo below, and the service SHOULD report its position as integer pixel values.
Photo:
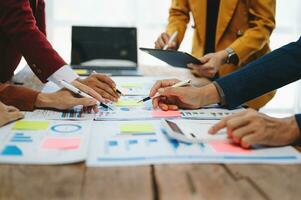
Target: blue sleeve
(298, 119)
(272, 71)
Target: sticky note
(130, 85)
(12, 151)
(165, 114)
(128, 103)
(226, 147)
(31, 125)
(59, 143)
(137, 128)
(81, 71)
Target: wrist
(294, 130)
(224, 56)
(43, 100)
(208, 95)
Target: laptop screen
(104, 46)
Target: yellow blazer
(243, 25)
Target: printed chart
(140, 143)
(44, 142)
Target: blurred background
(150, 17)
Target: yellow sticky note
(81, 71)
(128, 103)
(130, 85)
(31, 125)
(133, 128)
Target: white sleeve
(64, 73)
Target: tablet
(172, 57)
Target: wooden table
(189, 181)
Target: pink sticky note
(61, 143)
(164, 114)
(227, 147)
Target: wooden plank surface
(274, 181)
(26, 182)
(118, 183)
(202, 182)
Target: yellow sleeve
(261, 25)
(178, 18)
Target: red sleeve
(21, 97)
(20, 27)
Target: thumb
(204, 59)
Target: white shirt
(64, 73)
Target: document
(74, 114)
(44, 142)
(143, 143)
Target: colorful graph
(11, 151)
(21, 137)
(66, 128)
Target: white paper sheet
(109, 147)
(61, 142)
(75, 114)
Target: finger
(163, 106)
(241, 132)
(88, 90)
(204, 59)
(162, 84)
(161, 42)
(218, 126)
(165, 38)
(155, 102)
(235, 122)
(11, 109)
(157, 45)
(103, 88)
(173, 107)
(15, 116)
(194, 66)
(249, 140)
(105, 79)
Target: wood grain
(24, 182)
(204, 181)
(118, 183)
(275, 181)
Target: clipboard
(172, 57)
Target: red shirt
(23, 33)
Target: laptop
(109, 50)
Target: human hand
(250, 127)
(9, 114)
(182, 97)
(210, 64)
(163, 40)
(99, 86)
(62, 100)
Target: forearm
(268, 73)
(21, 97)
(178, 19)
